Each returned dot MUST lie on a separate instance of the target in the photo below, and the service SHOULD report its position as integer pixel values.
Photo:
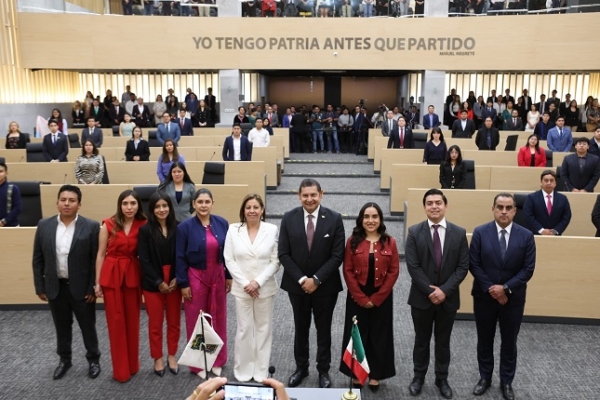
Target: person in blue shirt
(10, 199)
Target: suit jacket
(298, 124)
(150, 253)
(211, 101)
(95, 136)
(541, 129)
(183, 209)
(143, 150)
(594, 148)
(55, 152)
(596, 216)
(274, 119)
(323, 259)
(81, 260)
(116, 119)
(485, 112)
(459, 132)
(488, 268)
(538, 106)
(97, 115)
(187, 129)
(247, 261)
(385, 127)
(481, 138)
(143, 113)
(574, 178)
(420, 263)
(526, 103)
(511, 126)
(563, 143)
(458, 176)
(23, 140)
(173, 133)
(524, 157)
(394, 141)
(245, 149)
(436, 121)
(505, 99)
(286, 120)
(537, 212)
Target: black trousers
(440, 322)
(305, 306)
(63, 307)
(488, 313)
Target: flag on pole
(354, 356)
(204, 339)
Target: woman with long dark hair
(181, 189)
(118, 280)
(156, 251)
(371, 268)
(89, 166)
(532, 155)
(435, 148)
(62, 123)
(167, 158)
(453, 173)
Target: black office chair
(560, 184)
(115, 130)
(470, 167)
(152, 140)
(34, 152)
(549, 158)
(145, 192)
(246, 127)
(511, 142)
(74, 141)
(105, 180)
(2, 160)
(520, 217)
(420, 139)
(31, 202)
(214, 173)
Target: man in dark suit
(64, 260)
(548, 211)
(542, 106)
(92, 133)
(580, 171)
(237, 147)
(487, 137)
(55, 145)
(211, 102)
(543, 127)
(141, 113)
(502, 261)
(489, 111)
(507, 97)
(185, 124)
(437, 259)
(554, 99)
(596, 216)
(311, 250)
(514, 123)
(463, 127)
(116, 113)
(401, 136)
(493, 98)
(526, 101)
(595, 143)
(389, 124)
(298, 128)
(97, 112)
(562, 108)
(431, 120)
(167, 130)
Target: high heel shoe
(159, 372)
(356, 384)
(374, 387)
(175, 370)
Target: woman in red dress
(118, 280)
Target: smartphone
(243, 391)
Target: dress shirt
(259, 138)
(507, 235)
(441, 232)
(315, 214)
(64, 238)
(237, 153)
(546, 203)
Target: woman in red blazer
(532, 155)
(371, 268)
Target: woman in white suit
(251, 257)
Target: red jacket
(356, 270)
(524, 157)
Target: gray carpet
(555, 361)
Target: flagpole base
(349, 396)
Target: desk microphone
(211, 157)
(271, 371)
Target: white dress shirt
(64, 238)
(259, 138)
(237, 153)
(315, 219)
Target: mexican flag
(355, 357)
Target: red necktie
(182, 123)
(549, 204)
(401, 137)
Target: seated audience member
(453, 173)
(488, 136)
(259, 136)
(543, 126)
(435, 150)
(117, 113)
(560, 137)
(168, 130)
(548, 211)
(167, 158)
(55, 145)
(77, 113)
(14, 138)
(92, 132)
(60, 121)
(580, 171)
(97, 112)
(9, 209)
(141, 113)
(89, 166)
(596, 216)
(241, 118)
(185, 124)
(431, 119)
(237, 147)
(137, 148)
(126, 126)
(401, 137)
(594, 143)
(532, 155)
(463, 127)
(514, 123)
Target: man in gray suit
(92, 133)
(389, 124)
(437, 259)
(64, 258)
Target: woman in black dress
(435, 149)
(453, 173)
(371, 268)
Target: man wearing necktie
(388, 125)
(437, 259)
(401, 137)
(55, 147)
(515, 123)
(487, 137)
(97, 113)
(560, 138)
(167, 130)
(542, 106)
(502, 261)
(489, 111)
(431, 119)
(580, 172)
(548, 211)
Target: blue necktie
(503, 243)
(489, 139)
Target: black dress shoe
(324, 380)
(61, 370)
(94, 369)
(507, 391)
(481, 387)
(416, 386)
(374, 388)
(356, 385)
(445, 389)
(297, 377)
